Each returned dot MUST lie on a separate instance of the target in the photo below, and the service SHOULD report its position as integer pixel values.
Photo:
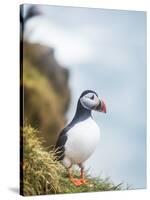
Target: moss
(43, 174)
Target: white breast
(82, 141)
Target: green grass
(40, 168)
(43, 174)
(92, 185)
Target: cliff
(46, 91)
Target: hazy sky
(105, 50)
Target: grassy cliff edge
(43, 174)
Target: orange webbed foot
(76, 182)
(83, 181)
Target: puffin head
(90, 101)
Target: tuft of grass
(43, 174)
(40, 168)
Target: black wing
(60, 144)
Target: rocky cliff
(46, 91)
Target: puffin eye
(92, 97)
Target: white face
(90, 101)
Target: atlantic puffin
(78, 140)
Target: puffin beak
(101, 107)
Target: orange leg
(75, 181)
(82, 176)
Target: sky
(105, 50)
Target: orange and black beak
(101, 107)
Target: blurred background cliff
(45, 85)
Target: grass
(92, 185)
(40, 168)
(43, 174)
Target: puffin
(78, 140)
